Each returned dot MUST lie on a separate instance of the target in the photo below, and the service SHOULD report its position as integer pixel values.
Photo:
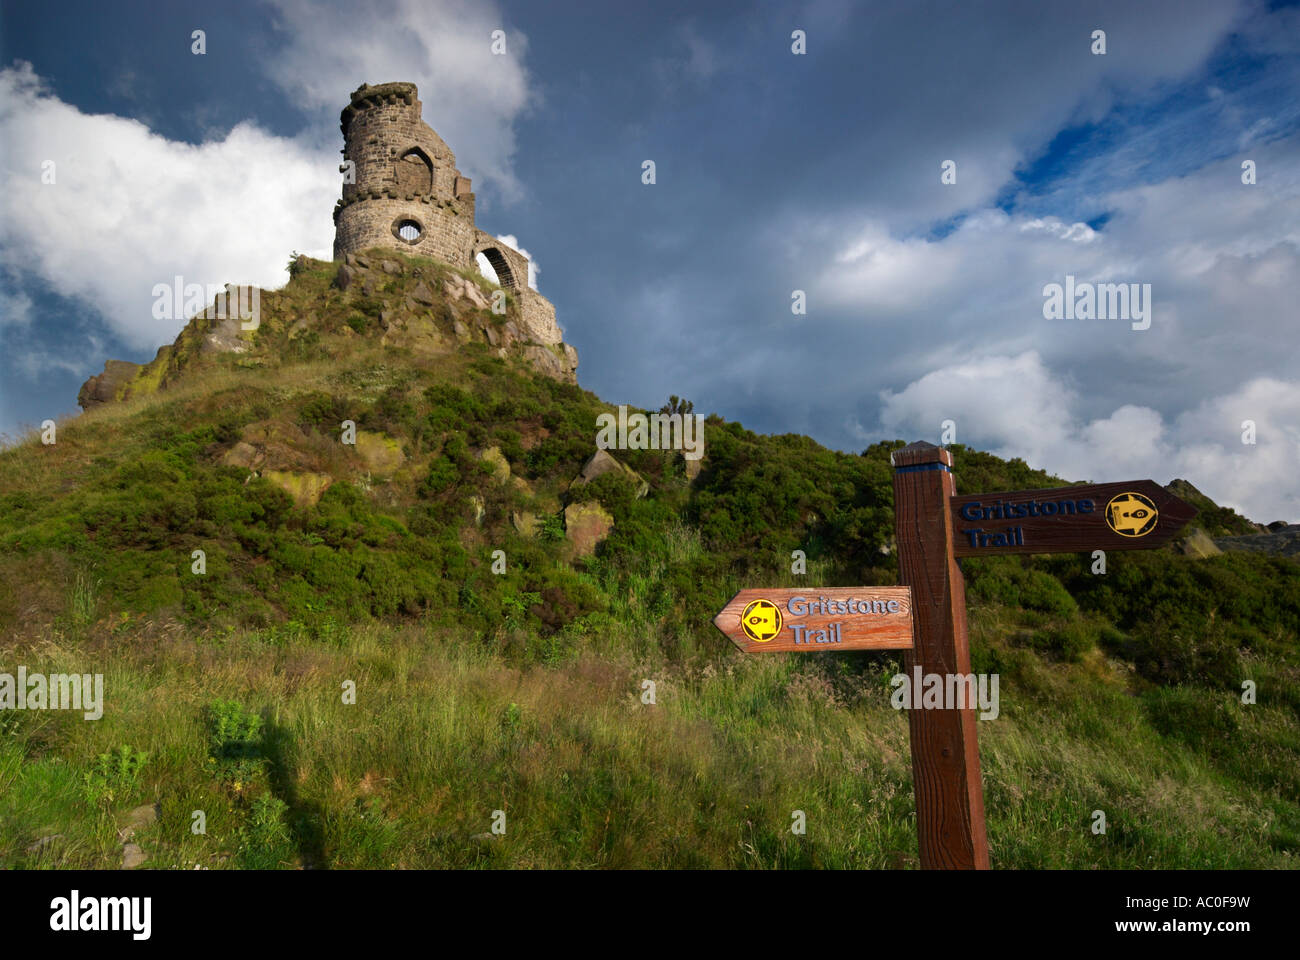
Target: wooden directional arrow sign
(1132, 515)
(819, 618)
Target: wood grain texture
(888, 629)
(1077, 523)
(945, 750)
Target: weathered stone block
(586, 525)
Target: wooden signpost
(823, 618)
(1133, 515)
(926, 616)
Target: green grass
(521, 692)
(445, 731)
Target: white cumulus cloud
(1015, 407)
(129, 209)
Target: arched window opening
(414, 173)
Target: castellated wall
(407, 195)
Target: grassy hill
(333, 569)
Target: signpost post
(926, 616)
(945, 751)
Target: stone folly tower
(409, 196)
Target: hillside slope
(521, 689)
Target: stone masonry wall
(539, 317)
(447, 235)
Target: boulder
(475, 295)
(1197, 543)
(603, 462)
(306, 488)
(224, 336)
(586, 525)
(345, 277)
(272, 445)
(456, 287)
(137, 819)
(242, 455)
(422, 294)
(1279, 543)
(494, 458)
(382, 454)
(525, 521)
(693, 467)
(132, 856)
(418, 332)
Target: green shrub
(1069, 641)
(235, 742)
(265, 840)
(115, 776)
(1008, 581)
(321, 410)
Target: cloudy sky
(776, 172)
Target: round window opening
(409, 231)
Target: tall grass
(446, 731)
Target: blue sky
(775, 172)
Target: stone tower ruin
(407, 195)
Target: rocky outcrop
(284, 454)
(1284, 542)
(424, 307)
(1225, 522)
(109, 385)
(460, 312)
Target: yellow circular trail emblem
(761, 620)
(1131, 515)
